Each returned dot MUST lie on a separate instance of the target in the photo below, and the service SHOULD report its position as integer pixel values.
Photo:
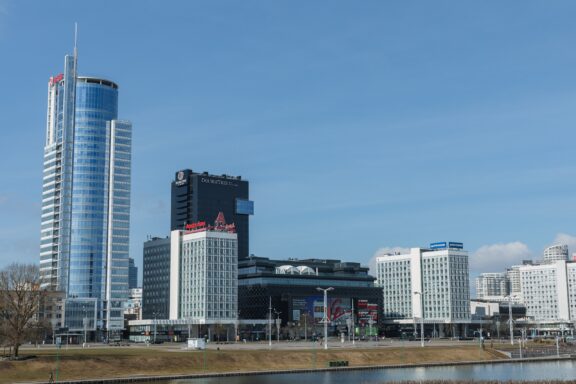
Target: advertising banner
(339, 309)
(366, 312)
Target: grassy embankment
(135, 361)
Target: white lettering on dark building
(227, 183)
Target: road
(333, 343)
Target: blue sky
(360, 125)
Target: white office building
(492, 286)
(204, 273)
(438, 275)
(549, 291)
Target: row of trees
(20, 300)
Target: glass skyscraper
(86, 200)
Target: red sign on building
(56, 79)
(193, 226)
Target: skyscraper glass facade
(86, 194)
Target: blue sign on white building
(439, 245)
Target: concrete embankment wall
(150, 379)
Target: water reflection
(556, 370)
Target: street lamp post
(237, 326)
(510, 320)
(155, 314)
(278, 323)
(270, 324)
(421, 318)
(353, 326)
(306, 326)
(84, 321)
(325, 319)
(349, 326)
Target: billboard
(339, 310)
(244, 207)
(366, 312)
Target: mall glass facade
(289, 287)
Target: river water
(556, 370)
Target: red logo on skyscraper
(56, 79)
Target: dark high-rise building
(132, 274)
(156, 278)
(201, 196)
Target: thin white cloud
(498, 257)
(569, 240)
(4, 15)
(381, 252)
(4, 6)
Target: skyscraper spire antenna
(75, 39)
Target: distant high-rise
(556, 252)
(132, 274)
(86, 199)
(513, 274)
(200, 197)
(492, 285)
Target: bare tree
(20, 295)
